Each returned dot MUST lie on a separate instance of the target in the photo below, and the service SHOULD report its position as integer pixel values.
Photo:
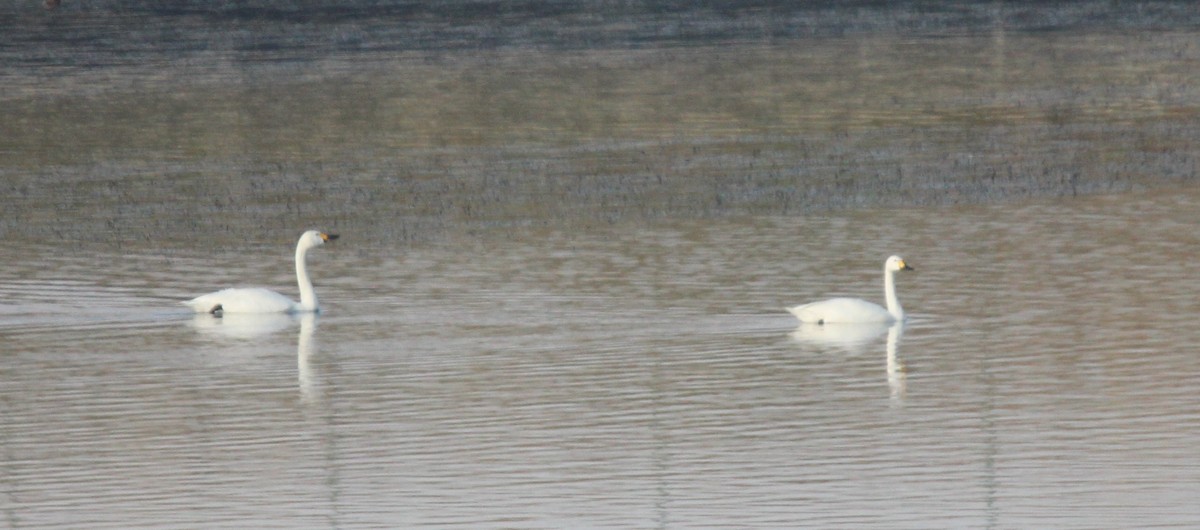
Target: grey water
(626, 378)
(567, 241)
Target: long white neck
(889, 293)
(308, 296)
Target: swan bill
(329, 237)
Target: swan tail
(802, 314)
(798, 310)
(204, 304)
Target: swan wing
(841, 310)
(245, 300)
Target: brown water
(557, 299)
(218, 146)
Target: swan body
(259, 300)
(854, 310)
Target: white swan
(854, 310)
(259, 300)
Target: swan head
(315, 238)
(896, 263)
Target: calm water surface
(568, 235)
(629, 377)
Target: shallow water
(196, 136)
(567, 242)
(625, 377)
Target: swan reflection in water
(897, 373)
(247, 326)
(856, 339)
(243, 326)
(305, 349)
(315, 393)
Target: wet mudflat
(567, 242)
